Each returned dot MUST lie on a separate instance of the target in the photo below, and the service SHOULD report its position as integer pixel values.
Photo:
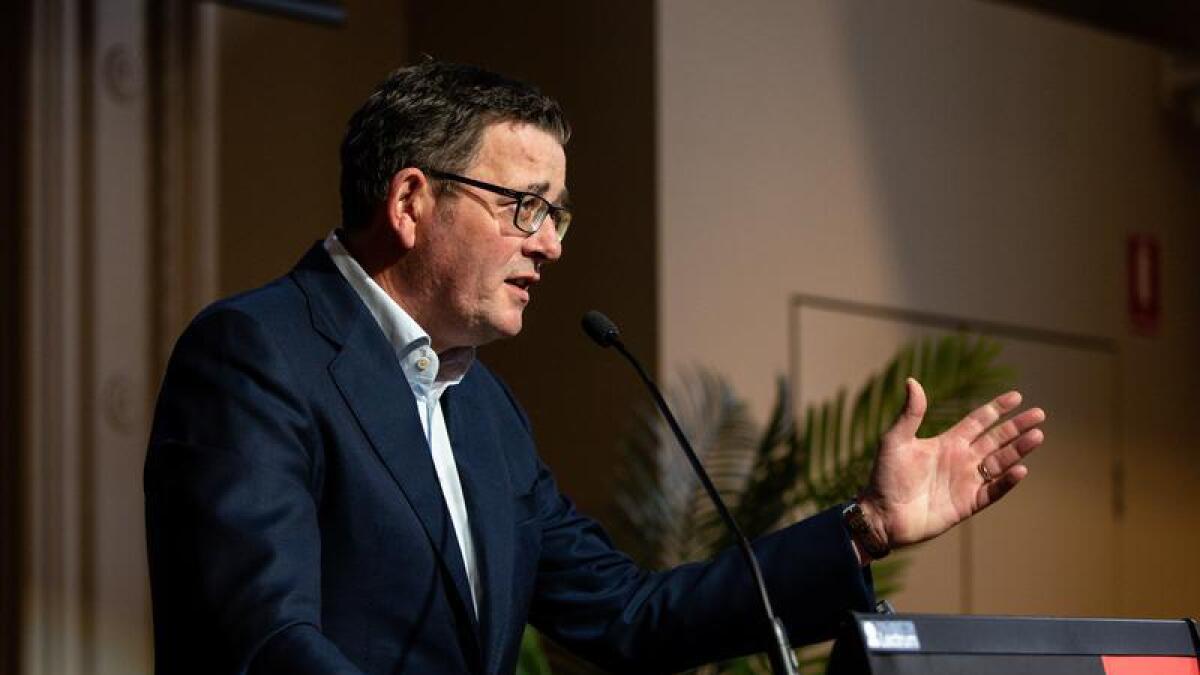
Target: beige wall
(963, 158)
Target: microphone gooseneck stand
(604, 332)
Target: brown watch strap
(862, 533)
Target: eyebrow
(540, 189)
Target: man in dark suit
(335, 485)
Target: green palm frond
(663, 515)
(773, 475)
(835, 455)
(757, 503)
(532, 660)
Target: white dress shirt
(428, 376)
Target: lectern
(900, 644)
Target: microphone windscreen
(600, 328)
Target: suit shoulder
(279, 301)
(270, 320)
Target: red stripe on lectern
(1150, 665)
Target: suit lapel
(373, 385)
(484, 475)
(376, 391)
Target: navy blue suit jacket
(295, 523)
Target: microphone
(604, 332)
(600, 328)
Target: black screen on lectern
(900, 644)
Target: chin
(505, 327)
(509, 330)
(510, 326)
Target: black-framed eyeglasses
(530, 210)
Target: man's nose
(544, 243)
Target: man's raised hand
(921, 487)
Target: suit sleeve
(597, 602)
(231, 487)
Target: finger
(909, 420)
(990, 493)
(983, 417)
(999, 462)
(1002, 434)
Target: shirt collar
(410, 342)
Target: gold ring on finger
(985, 473)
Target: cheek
(478, 279)
(498, 265)
(473, 265)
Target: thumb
(914, 410)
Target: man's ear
(408, 201)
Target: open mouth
(522, 283)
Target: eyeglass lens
(533, 213)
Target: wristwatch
(860, 530)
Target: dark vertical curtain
(14, 46)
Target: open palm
(921, 487)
